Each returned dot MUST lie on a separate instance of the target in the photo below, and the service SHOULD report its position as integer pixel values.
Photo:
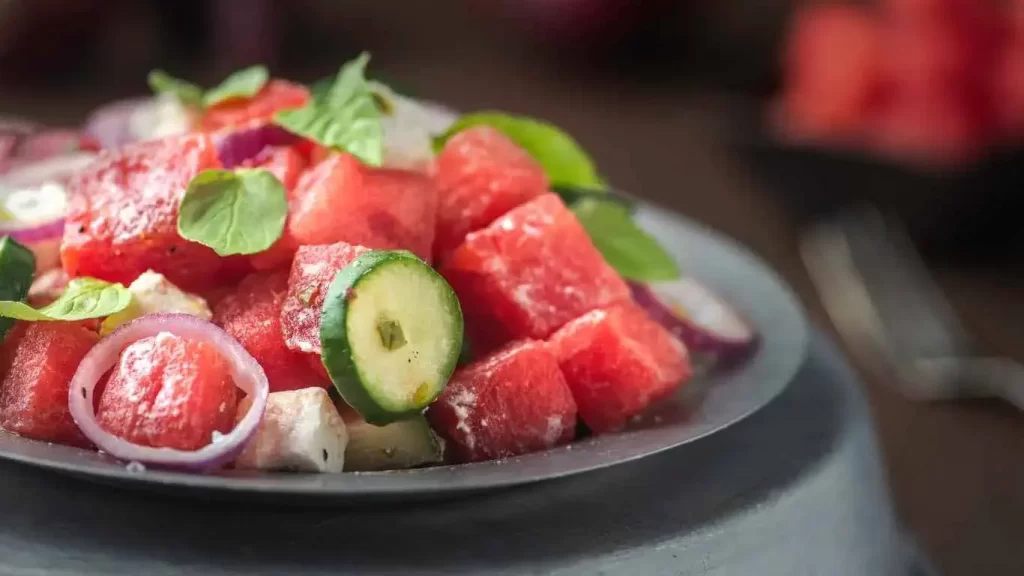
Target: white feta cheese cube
(301, 431)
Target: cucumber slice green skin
(17, 266)
(341, 344)
(397, 446)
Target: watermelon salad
(267, 276)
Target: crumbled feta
(301, 430)
(152, 293)
(162, 116)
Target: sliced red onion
(32, 173)
(236, 146)
(247, 373)
(698, 317)
(37, 219)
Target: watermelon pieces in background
(936, 81)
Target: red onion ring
(53, 169)
(247, 373)
(706, 324)
(34, 234)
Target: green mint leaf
(188, 93)
(241, 84)
(241, 212)
(563, 159)
(344, 117)
(635, 254)
(83, 299)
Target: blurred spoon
(885, 305)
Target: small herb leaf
(241, 212)
(241, 84)
(83, 299)
(632, 252)
(563, 159)
(345, 116)
(188, 93)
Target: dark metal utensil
(886, 306)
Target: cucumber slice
(397, 446)
(391, 333)
(17, 265)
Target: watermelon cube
(123, 214)
(313, 270)
(481, 175)
(833, 74)
(340, 200)
(37, 362)
(528, 273)
(252, 314)
(511, 402)
(617, 362)
(276, 95)
(169, 392)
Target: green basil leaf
(241, 212)
(188, 93)
(83, 299)
(241, 84)
(344, 117)
(632, 252)
(563, 159)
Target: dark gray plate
(706, 405)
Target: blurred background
(758, 117)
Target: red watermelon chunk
(481, 175)
(833, 74)
(123, 214)
(617, 362)
(340, 200)
(511, 402)
(276, 95)
(313, 270)
(284, 162)
(169, 392)
(37, 362)
(253, 316)
(528, 273)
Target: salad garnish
(83, 299)
(234, 212)
(345, 117)
(244, 83)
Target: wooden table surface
(956, 470)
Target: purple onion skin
(725, 353)
(35, 234)
(235, 148)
